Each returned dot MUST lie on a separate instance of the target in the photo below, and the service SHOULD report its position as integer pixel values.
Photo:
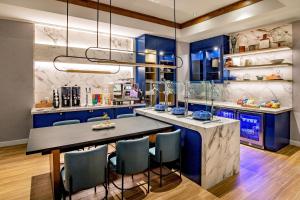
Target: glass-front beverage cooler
(252, 128)
(226, 113)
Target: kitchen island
(211, 151)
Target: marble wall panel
(50, 42)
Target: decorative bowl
(202, 115)
(159, 107)
(277, 61)
(178, 111)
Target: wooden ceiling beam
(122, 11)
(136, 15)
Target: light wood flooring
(263, 176)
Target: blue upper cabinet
(206, 59)
(162, 51)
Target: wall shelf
(260, 66)
(258, 80)
(260, 51)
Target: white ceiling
(53, 12)
(185, 9)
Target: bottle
(55, 99)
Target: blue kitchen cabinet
(277, 131)
(46, 120)
(191, 146)
(80, 115)
(165, 49)
(122, 111)
(206, 59)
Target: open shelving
(259, 80)
(258, 52)
(260, 66)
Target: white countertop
(187, 122)
(81, 108)
(239, 107)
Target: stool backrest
(126, 115)
(66, 122)
(169, 145)
(87, 168)
(132, 156)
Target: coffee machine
(65, 96)
(76, 96)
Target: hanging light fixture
(67, 56)
(130, 64)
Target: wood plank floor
(264, 176)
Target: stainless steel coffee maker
(76, 96)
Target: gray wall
(295, 116)
(16, 79)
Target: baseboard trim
(295, 143)
(13, 142)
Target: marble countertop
(187, 122)
(81, 108)
(239, 107)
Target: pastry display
(274, 77)
(252, 103)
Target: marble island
(218, 144)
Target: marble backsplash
(50, 42)
(277, 34)
(231, 92)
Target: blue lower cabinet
(46, 120)
(99, 113)
(122, 111)
(191, 142)
(277, 131)
(80, 115)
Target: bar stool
(131, 157)
(126, 115)
(84, 170)
(167, 149)
(66, 122)
(96, 119)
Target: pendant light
(129, 64)
(56, 59)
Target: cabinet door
(122, 111)
(78, 115)
(213, 64)
(46, 120)
(197, 64)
